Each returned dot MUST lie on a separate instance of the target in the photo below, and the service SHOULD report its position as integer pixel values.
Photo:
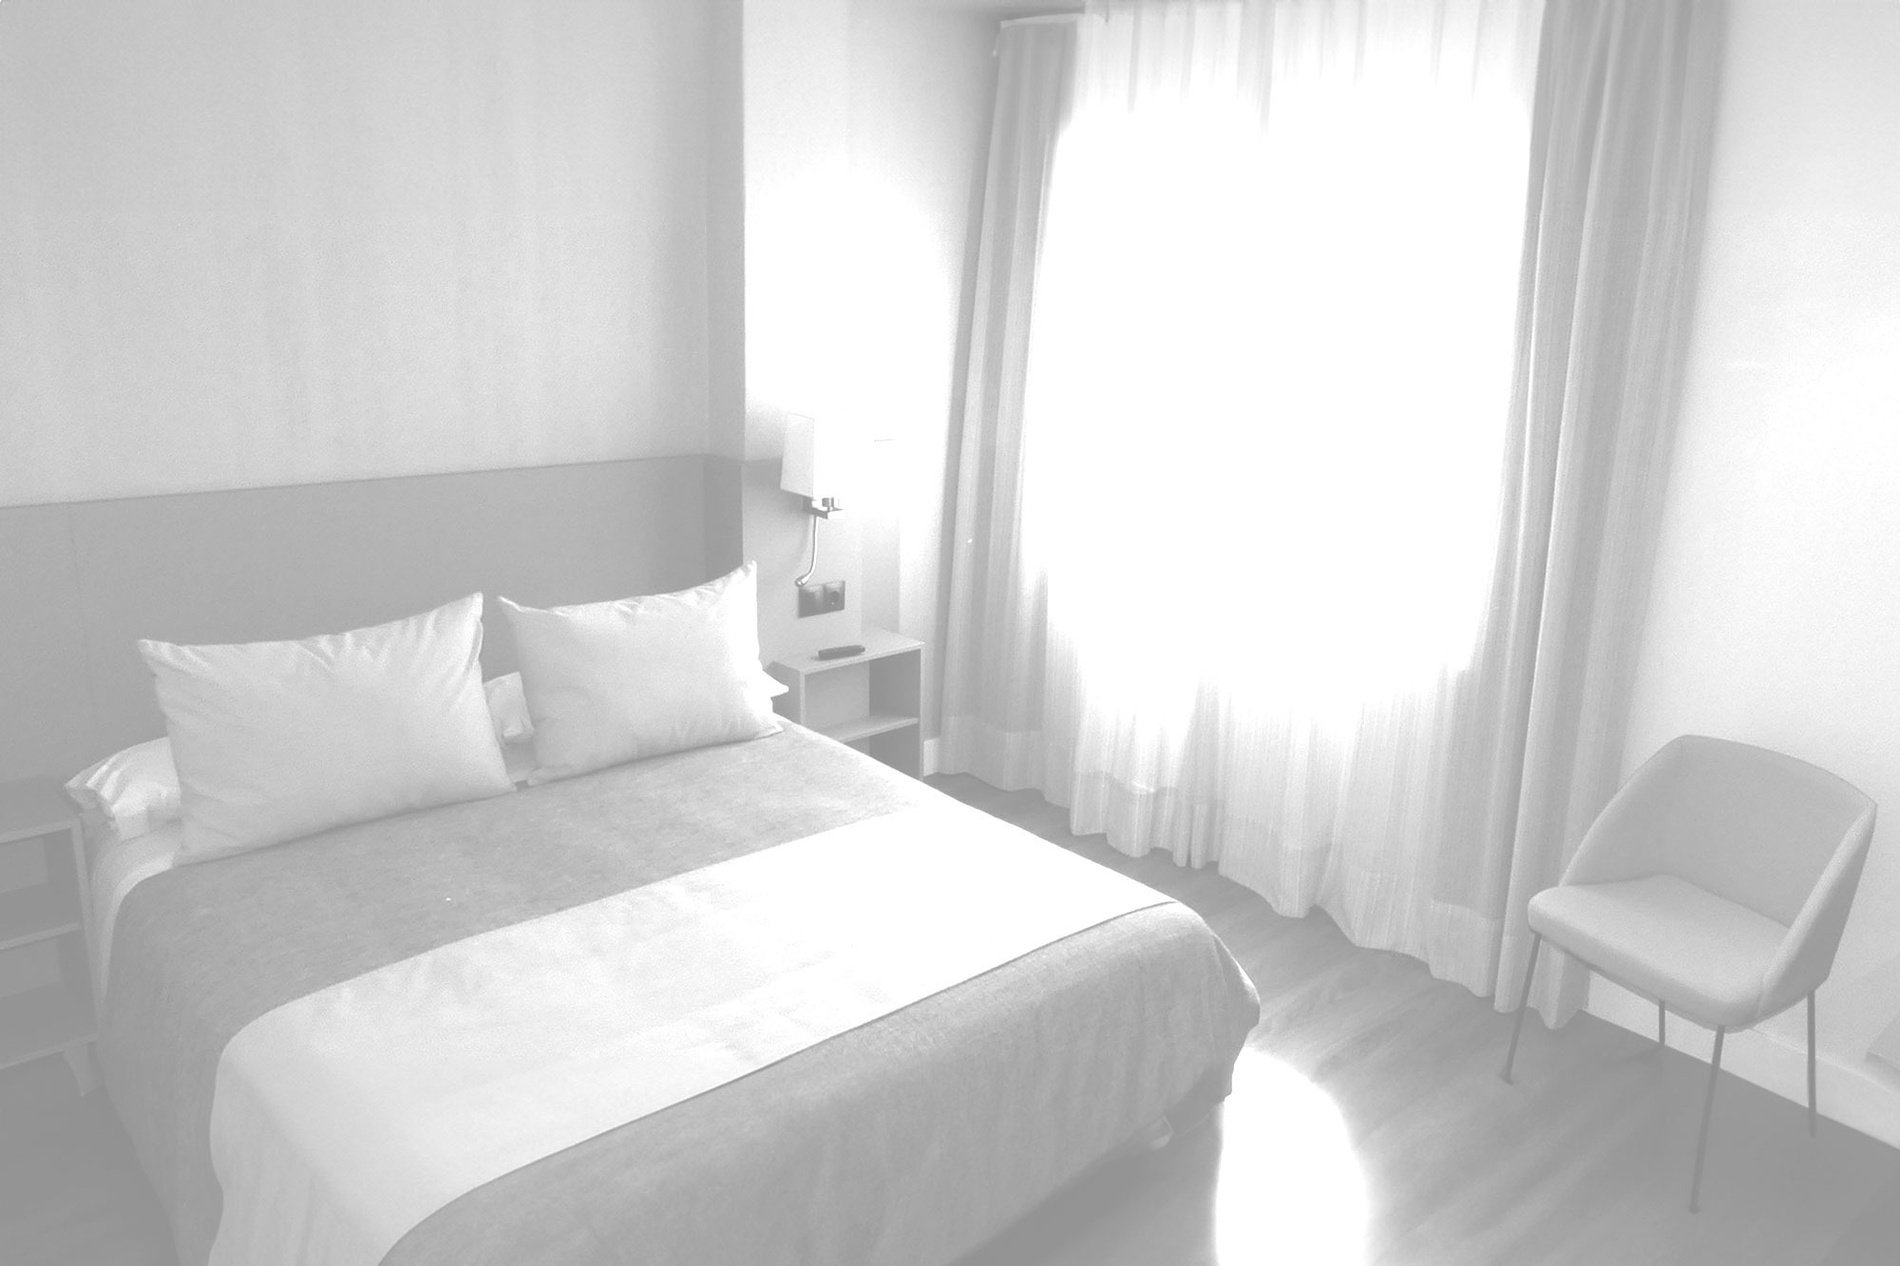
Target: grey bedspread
(908, 1140)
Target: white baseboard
(1858, 1094)
(929, 757)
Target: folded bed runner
(343, 1119)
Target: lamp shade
(815, 460)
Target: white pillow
(134, 790)
(278, 740)
(611, 682)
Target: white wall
(725, 229)
(796, 66)
(795, 108)
(246, 244)
(921, 92)
(865, 125)
(253, 242)
(1775, 615)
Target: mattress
(909, 1139)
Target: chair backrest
(1748, 824)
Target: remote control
(841, 652)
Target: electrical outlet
(834, 596)
(811, 600)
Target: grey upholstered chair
(1717, 882)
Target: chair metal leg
(1523, 1003)
(1662, 1032)
(1811, 1108)
(1708, 1107)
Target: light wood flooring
(1367, 1125)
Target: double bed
(909, 1138)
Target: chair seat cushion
(1700, 955)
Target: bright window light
(1269, 383)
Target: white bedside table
(873, 701)
(46, 1003)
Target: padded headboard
(80, 582)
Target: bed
(911, 1138)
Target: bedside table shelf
(872, 701)
(856, 731)
(33, 807)
(33, 914)
(50, 1020)
(46, 1003)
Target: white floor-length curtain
(995, 727)
(1276, 514)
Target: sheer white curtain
(1324, 368)
(1268, 384)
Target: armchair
(1717, 882)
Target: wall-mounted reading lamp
(814, 469)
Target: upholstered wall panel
(45, 701)
(725, 529)
(84, 580)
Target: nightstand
(872, 701)
(46, 1003)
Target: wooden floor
(1367, 1125)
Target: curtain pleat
(1624, 129)
(997, 611)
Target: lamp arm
(812, 563)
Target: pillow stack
(276, 740)
(272, 741)
(135, 790)
(129, 793)
(611, 682)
